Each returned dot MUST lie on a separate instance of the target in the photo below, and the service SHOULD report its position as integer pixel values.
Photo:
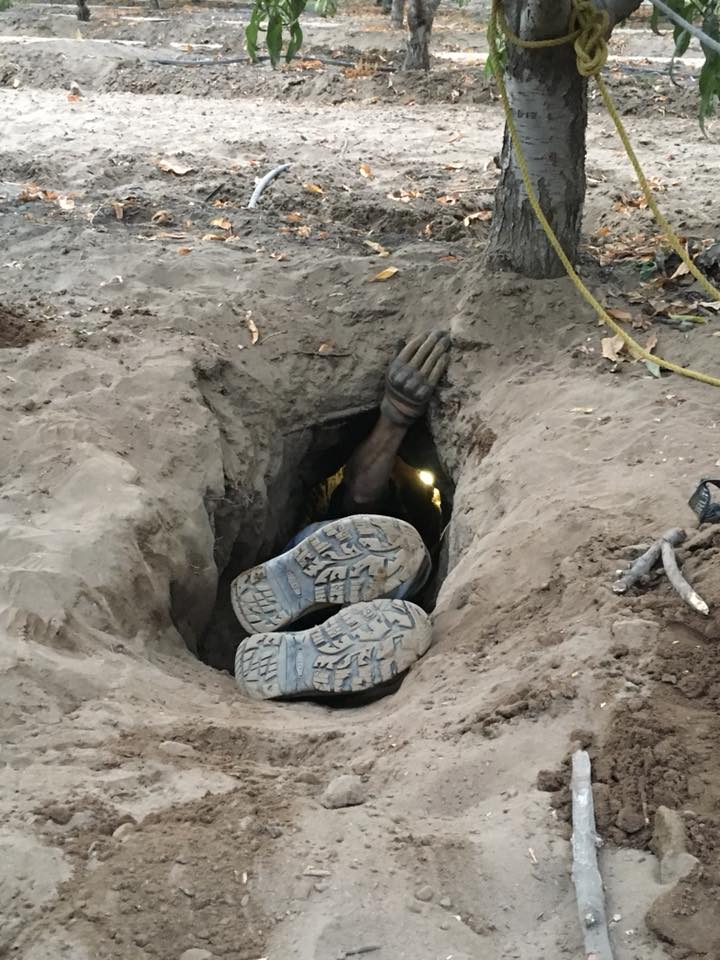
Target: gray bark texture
(549, 102)
(397, 14)
(420, 17)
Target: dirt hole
(304, 499)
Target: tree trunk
(386, 6)
(420, 16)
(397, 15)
(549, 102)
(83, 11)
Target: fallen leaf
(118, 209)
(682, 270)
(377, 247)
(713, 305)
(653, 368)
(303, 231)
(254, 333)
(278, 256)
(66, 203)
(294, 217)
(366, 171)
(73, 97)
(221, 222)
(162, 216)
(651, 342)
(214, 236)
(327, 346)
(386, 273)
(184, 251)
(313, 188)
(478, 215)
(166, 235)
(427, 230)
(622, 315)
(448, 198)
(403, 196)
(177, 167)
(582, 409)
(455, 137)
(611, 347)
(449, 258)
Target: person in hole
(364, 557)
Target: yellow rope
(589, 28)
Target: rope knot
(591, 27)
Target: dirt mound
(19, 326)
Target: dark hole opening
(328, 446)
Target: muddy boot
(357, 649)
(364, 557)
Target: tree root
(679, 582)
(265, 182)
(585, 872)
(665, 549)
(644, 564)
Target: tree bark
(83, 11)
(549, 102)
(397, 14)
(420, 17)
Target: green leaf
(295, 41)
(655, 21)
(251, 35)
(326, 8)
(653, 368)
(682, 43)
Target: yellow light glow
(426, 477)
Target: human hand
(413, 376)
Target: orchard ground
(174, 372)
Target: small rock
(176, 748)
(274, 830)
(414, 907)
(197, 953)
(307, 776)
(669, 834)
(123, 831)
(425, 893)
(630, 820)
(362, 765)
(58, 814)
(245, 900)
(344, 791)
(446, 903)
(509, 794)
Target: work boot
(359, 648)
(346, 561)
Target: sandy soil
(149, 448)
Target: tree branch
(618, 9)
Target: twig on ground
(585, 872)
(679, 582)
(265, 182)
(644, 564)
(223, 61)
(215, 192)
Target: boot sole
(362, 647)
(346, 561)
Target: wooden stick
(585, 872)
(266, 181)
(644, 564)
(679, 582)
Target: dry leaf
(73, 97)
(651, 342)
(162, 216)
(611, 347)
(66, 203)
(177, 167)
(622, 315)
(118, 209)
(377, 247)
(713, 305)
(478, 215)
(456, 136)
(183, 251)
(215, 236)
(582, 409)
(278, 256)
(366, 171)
(404, 196)
(449, 258)
(303, 231)
(449, 198)
(221, 222)
(386, 273)
(681, 271)
(254, 334)
(166, 235)
(313, 188)
(294, 217)
(327, 346)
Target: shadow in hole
(329, 448)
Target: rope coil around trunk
(588, 33)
